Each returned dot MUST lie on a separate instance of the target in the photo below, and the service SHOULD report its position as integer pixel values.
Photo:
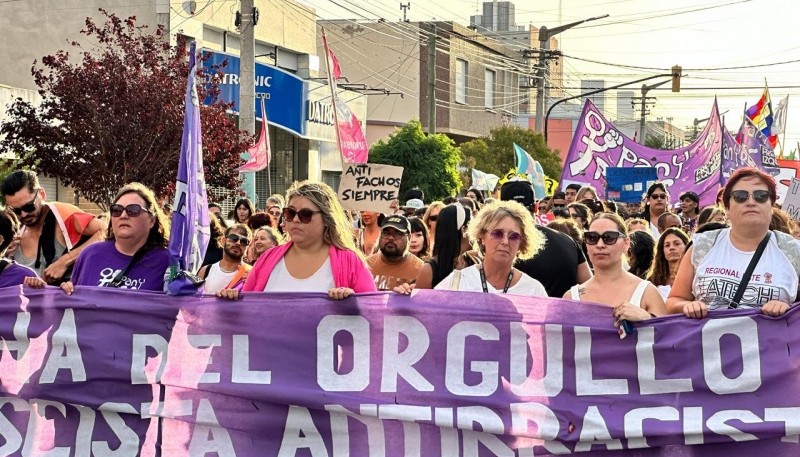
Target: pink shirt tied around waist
(348, 269)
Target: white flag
(484, 181)
(779, 118)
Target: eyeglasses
(759, 196)
(275, 213)
(243, 240)
(304, 214)
(609, 238)
(498, 235)
(28, 207)
(133, 210)
(658, 196)
(395, 235)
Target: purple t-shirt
(15, 274)
(99, 263)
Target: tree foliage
(495, 153)
(655, 142)
(115, 115)
(430, 162)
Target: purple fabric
(597, 144)
(15, 274)
(259, 376)
(754, 151)
(190, 231)
(100, 263)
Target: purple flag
(750, 148)
(190, 231)
(435, 374)
(597, 145)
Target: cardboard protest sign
(369, 186)
(791, 202)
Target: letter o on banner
(746, 330)
(327, 376)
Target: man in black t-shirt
(561, 263)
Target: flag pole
(265, 125)
(783, 125)
(332, 85)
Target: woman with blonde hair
(264, 239)
(321, 256)
(502, 232)
(632, 298)
(430, 218)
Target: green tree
(655, 142)
(495, 153)
(429, 162)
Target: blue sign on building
(284, 93)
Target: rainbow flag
(762, 116)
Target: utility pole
(645, 101)
(247, 83)
(405, 8)
(432, 81)
(545, 55)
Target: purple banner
(754, 151)
(597, 145)
(435, 374)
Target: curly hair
(532, 239)
(659, 274)
(338, 229)
(159, 232)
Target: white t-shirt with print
(720, 273)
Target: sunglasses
(276, 213)
(658, 196)
(243, 240)
(433, 218)
(133, 210)
(304, 214)
(609, 238)
(759, 196)
(559, 206)
(28, 207)
(498, 235)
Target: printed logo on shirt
(107, 277)
(768, 278)
(754, 295)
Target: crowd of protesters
(666, 255)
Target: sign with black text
(369, 186)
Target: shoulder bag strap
(752, 266)
(117, 281)
(3, 264)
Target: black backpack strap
(3, 264)
(47, 241)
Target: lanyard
(483, 280)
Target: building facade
(476, 79)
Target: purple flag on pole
(598, 144)
(190, 232)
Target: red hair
(749, 173)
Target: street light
(542, 91)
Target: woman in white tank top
(632, 298)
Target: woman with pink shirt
(321, 256)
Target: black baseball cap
(519, 191)
(398, 222)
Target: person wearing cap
(690, 209)
(412, 205)
(393, 264)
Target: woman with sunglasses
(502, 232)
(713, 268)
(656, 203)
(134, 255)
(321, 256)
(11, 273)
(430, 218)
(633, 298)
